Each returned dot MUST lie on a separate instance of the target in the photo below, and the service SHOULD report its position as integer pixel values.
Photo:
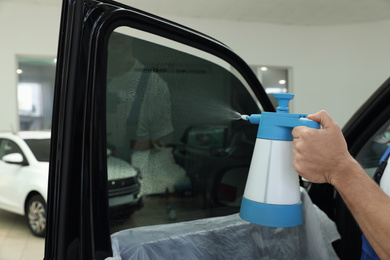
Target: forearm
(322, 156)
(369, 205)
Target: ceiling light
(55, 60)
(264, 68)
(282, 82)
(19, 71)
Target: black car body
(78, 226)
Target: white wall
(26, 30)
(334, 68)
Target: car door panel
(11, 175)
(191, 64)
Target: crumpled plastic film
(230, 237)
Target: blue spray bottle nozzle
(244, 117)
(254, 118)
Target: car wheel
(36, 215)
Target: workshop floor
(16, 240)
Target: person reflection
(139, 124)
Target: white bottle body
(272, 178)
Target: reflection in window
(173, 132)
(373, 151)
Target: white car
(24, 167)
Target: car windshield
(40, 148)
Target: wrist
(345, 171)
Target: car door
(11, 176)
(154, 95)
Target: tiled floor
(16, 240)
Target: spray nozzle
(244, 117)
(254, 118)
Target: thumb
(323, 118)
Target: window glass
(373, 151)
(40, 148)
(9, 147)
(176, 149)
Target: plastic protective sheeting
(230, 237)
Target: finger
(297, 131)
(323, 118)
(296, 148)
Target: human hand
(320, 154)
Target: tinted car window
(172, 118)
(40, 148)
(372, 152)
(9, 147)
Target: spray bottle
(272, 194)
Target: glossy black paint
(77, 225)
(72, 197)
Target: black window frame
(76, 228)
